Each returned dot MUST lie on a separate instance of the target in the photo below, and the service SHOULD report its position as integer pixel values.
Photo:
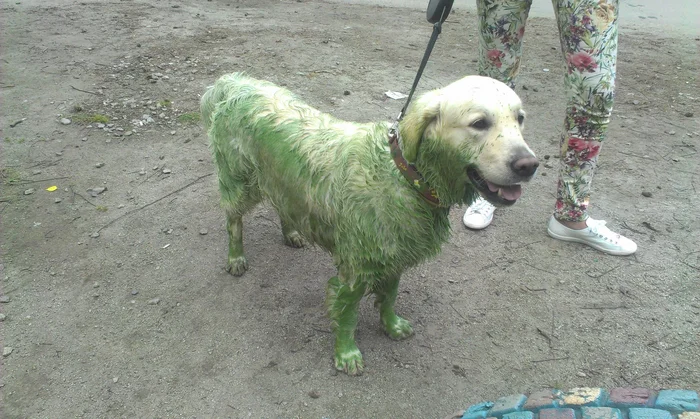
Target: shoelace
(598, 228)
(480, 205)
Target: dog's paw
(293, 239)
(237, 266)
(349, 361)
(398, 328)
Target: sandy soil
(119, 305)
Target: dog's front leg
(386, 291)
(343, 299)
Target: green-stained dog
(342, 186)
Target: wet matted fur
(334, 183)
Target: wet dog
(375, 198)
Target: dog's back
(303, 160)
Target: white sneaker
(479, 214)
(595, 235)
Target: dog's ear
(419, 115)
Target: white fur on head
(419, 115)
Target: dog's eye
(521, 119)
(480, 124)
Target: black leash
(437, 29)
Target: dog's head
(467, 137)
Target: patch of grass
(9, 175)
(90, 118)
(189, 118)
(165, 103)
(101, 208)
(17, 140)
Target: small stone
(57, 200)
(546, 70)
(547, 156)
(96, 191)
(154, 301)
(100, 126)
(95, 235)
(548, 165)
(173, 132)
(2, 317)
(4, 298)
(59, 153)
(29, 191)
(36, 172)
(581, 374)
(120, 206)
(65, 121)
(314, 394)
(672, 132)
(543, 174)
(646, 194)
(98, 165)
(167, 171)
(115, 379)
(688, 114)
(346, 92)
(636, 102)
(7, 350)
(204, 232)
(134, 292)
(142, 171)
(676, 159)
(128, 133)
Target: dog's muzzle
(523, 167)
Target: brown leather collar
(409, 171)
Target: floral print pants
(588, 34)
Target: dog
(375, 196)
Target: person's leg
(588, 33)
(501, 30)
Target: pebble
(95, 235)
(100, 126)
(7, 350)
(636, 102)
(314, 394)
(547, 156)
(646, 194)
(96, 191)
(65, 121)
(154, 301)
(29, 191)
(688, 114)
(346, 93)
(84, 139)
(57, 200)
(204, 232)
(672, 132)
(134, 292)
(167, 171)
(98, 165)
(142, 172)
(4, 298)
(128, 133)
(548, 165)
(120, 206)
(59, 153)
(2, 317)
(36, 172)
(115, 379)
(581, 374)
(173, 132)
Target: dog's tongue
(510, 193)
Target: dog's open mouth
(494, 193)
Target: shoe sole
(593, 245)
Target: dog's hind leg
(343, 300)
(386, 291)
(292, 238)
(239, 193)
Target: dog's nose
(525, 166)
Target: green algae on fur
(334, 184)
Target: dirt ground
(119, 305)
